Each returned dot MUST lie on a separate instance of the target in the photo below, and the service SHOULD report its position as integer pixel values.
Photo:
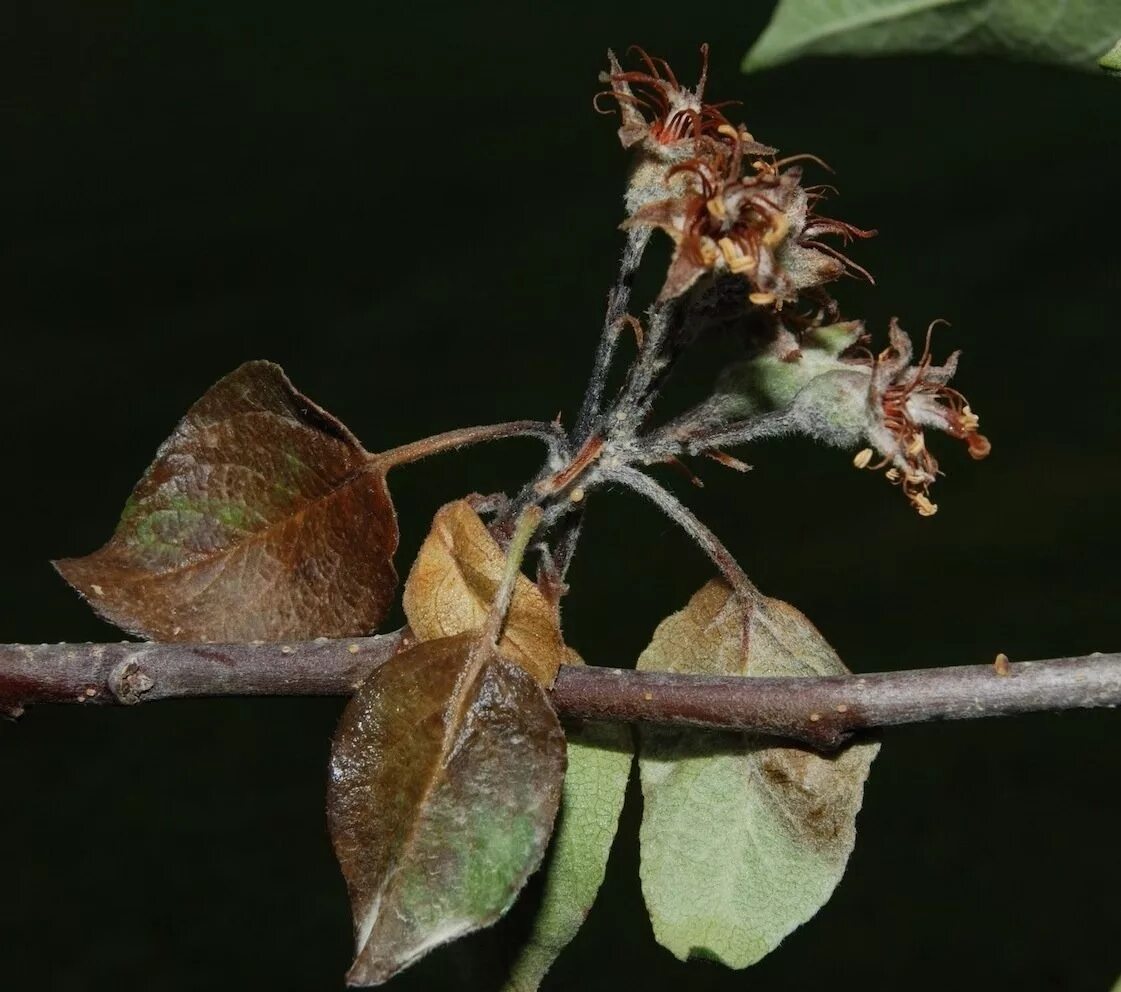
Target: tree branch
(821, 712)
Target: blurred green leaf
(599, 764)
(1111, 61)
(1074, 33)
(741, 842)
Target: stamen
(923, 505)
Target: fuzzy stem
(464, 436)
(729, 435)
(822, 712)
(617, 301)
(681, 515)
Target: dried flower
(904, 400)
(823, 382)
(727, 203)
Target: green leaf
(599, 764)
(262, 518)
(1074, 33)
(446, 775)
(741, 842)
(1111, 61)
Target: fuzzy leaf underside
(261, 518)
(741, 842)
(452, 585)
(446, 775)
(1074, 33)
(595, 785)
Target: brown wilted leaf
(741, 841)
(260, 519)
(446, 775)
(451, 588)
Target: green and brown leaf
(741, 841)
(446, 775)
(452, 586)
(262, 518)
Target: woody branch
(822, 712)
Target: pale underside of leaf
(1073, 33)
(595, 785)
(446, 775)
(261, 518)
(452, 585)
(741, 841)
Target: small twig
(648, 372)
(821, 712)
(617, 302)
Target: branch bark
(821, 712)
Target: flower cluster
(727, 203)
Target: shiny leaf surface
(446, 775)
(261, 519)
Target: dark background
(413, 209)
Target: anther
(924, 506)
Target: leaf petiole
(437, 444)
(528, 522)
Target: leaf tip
(1111, 61)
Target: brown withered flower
(904, 400)
(823, 382)
(656, 109)
(727, 203)
(755, 223)
(665, 124)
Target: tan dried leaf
(452, 585)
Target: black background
(413, 210)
